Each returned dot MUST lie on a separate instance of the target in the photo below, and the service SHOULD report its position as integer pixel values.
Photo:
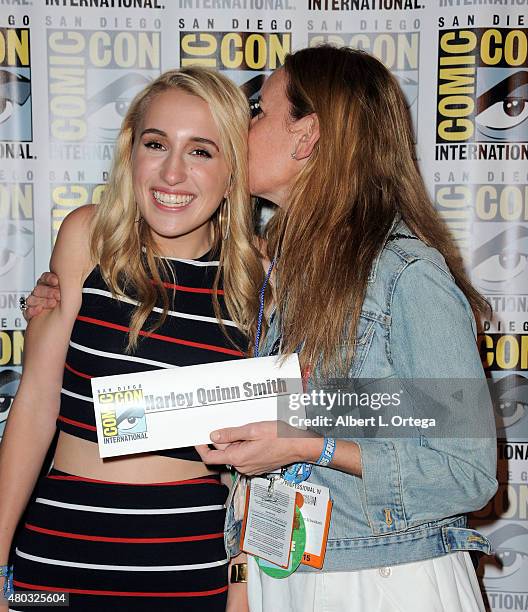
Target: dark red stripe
(93, 538)
(40, 587)
(192, 481)
(208, 347)
(76, 423)
(76, 372)
(193, 289)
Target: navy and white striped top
(190, 335)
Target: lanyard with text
(298, 472)
(275, 529)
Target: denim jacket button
(385, 572)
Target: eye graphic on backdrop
(510, 399)
(15, 89)
(9, 380)
(509, 545)
(502, 260)
(107, 108)
(502, 110)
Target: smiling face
(180, 175)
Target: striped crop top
(190, 335)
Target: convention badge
(268, 522)
(296, 554)
(316, 510)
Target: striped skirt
(125, 546)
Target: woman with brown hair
(368, 285)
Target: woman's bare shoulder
(71, 253)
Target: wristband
(6, 571)
(238, 573)
(327, 454)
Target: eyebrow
(198, 139)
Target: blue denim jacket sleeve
(421, 479)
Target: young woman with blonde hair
(148, 280)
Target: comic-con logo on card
(122, 414)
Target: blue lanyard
(261, 306)
(298, 472)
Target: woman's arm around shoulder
(31, 423)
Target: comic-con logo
(11, 347)
(235, 50)
(482, 86)
(246, 57)
(16, 236)
(398, 51)
(504, 352)
(69, 195)
(92, 77)
(15, 85)
(125, 414)
(498, 253)
(483, 202)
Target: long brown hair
(122, 243)
(361, 174)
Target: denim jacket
(411, 500)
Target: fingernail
(215, 436)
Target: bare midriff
(81, 458)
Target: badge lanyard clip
(271, 494)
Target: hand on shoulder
(71, 253)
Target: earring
(294, 155)
(223, 222)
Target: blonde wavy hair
(124, 247)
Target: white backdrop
(68, 69)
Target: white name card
(176, 407)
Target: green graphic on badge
(297, 550)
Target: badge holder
(273, 528)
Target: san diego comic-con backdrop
(69, 68)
